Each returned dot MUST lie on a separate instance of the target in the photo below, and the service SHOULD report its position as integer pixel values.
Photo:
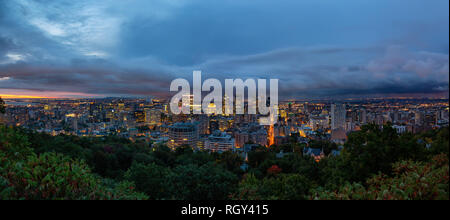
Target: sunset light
(7, 96)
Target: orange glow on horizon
(25, 94)
(7, 96)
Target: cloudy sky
(326, 48)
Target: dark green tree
(258, 156)
(374, 149)
(207, 182)
(50, 176)
(150, 179)
(284, 187)
(2, 106)
(410, 181)
(231, 161)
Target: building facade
(183, 134)
(338, 116)
(219, 142)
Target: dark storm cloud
(326, 48)
(340, 71)
(85, 78)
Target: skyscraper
(338, 114)
(153, 116)
(183, 134)
(418, 117)
(139, 116)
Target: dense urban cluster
(136, 149)
(151, 120)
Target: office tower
(283, 114)
(75, 124)
(139, 116)
(363, 116)
(203, 124)
(120, 106)
(396, 117)
(418, 118)
(153, 116)
(338, 115)
(183, 134)
(224, 124)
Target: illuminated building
(153, 116)
(280, 130)
(183, 134)
(121, 106)
(319, 122)
(400, 129)
(219, 142)
(283, 113)
(241, 139)
(139, 116)
(109, 116)
(338, 136)
(305, 131)
(253, 133)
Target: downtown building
(219, 142)
(338, 116)
(181, 134)
(251, 133)
(153, 116)
(318, 122)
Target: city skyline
(81, 49)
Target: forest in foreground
(376, 163)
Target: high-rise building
(418, 118)
(363, 116)
(139, 116)
(153, 116)
(120, 106)
(203, 124)
(338, 116)
(75, 124)
(183, 134)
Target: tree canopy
(375, 163)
